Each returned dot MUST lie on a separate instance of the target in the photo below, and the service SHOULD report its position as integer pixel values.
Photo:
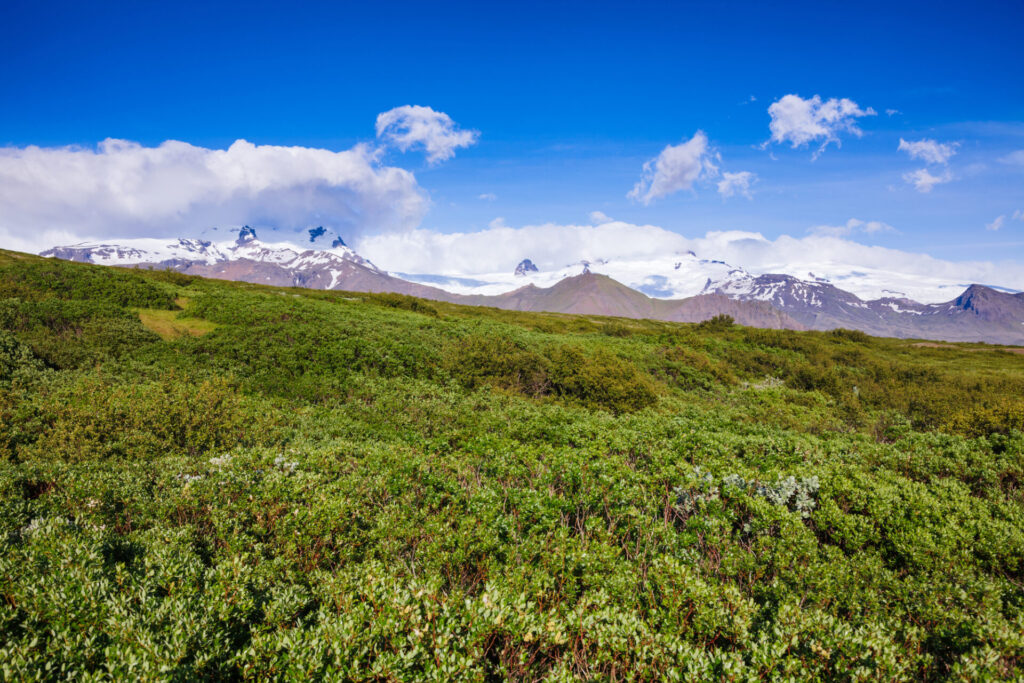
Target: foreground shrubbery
(388, 489)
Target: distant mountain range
(980, 313)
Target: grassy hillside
(206, 479)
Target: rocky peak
(990, 304)
(245, 235)
(526, 266)
(321, 238)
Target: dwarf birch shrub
(327, 487)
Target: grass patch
(173, 324)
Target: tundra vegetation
(214, 480)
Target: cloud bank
(801, 121)
(123, 189)
(413, 126)
(553, 246)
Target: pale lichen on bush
(796, 494)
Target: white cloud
(1018, 215)
(1015, 158)
(500, 247)
(488, 196)
(850, 227)
(553, 246)
(599, 217)
(929, 151)
(736, 183)
(892, 112)
(123, 189)
(996, 224)
(799, 121)
(412, 126)
(923, 181)
(677, 168)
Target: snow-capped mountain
(979, 313)
(322, 262)
(239, 244)
(674, 276)
(681, 287)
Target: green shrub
(17, 362)
(850, 335)
(51, 278)
(1001, 416)
(324, 487)
(717, 323)
(93, 418)
(599, 379)
(499, 360)
(403, 302)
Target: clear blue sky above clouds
(570, 99)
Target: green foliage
(717, 323)
(500, 360)
(76, 333)
(90, 417)
(404, 302)
(42, 278)
(17, 362)
(353, 487)
(997, 415)
(600, 379)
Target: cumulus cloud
(854, 225)
(736, 183)
(599, 217)
(801, 121)
(996, 224)
(892, 112)
(929, 151)
(553, 246)
(413, 126)
(488, 196)
(923, 181)
(124, 189)
(677, 168)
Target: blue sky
(569, 99)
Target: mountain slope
(324, 261)
(327, 263)
(979, 314)
(333, 265)
(595, 294)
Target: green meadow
(207, 480)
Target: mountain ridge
(979, 313)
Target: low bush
(322, 487)
(599, 379)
